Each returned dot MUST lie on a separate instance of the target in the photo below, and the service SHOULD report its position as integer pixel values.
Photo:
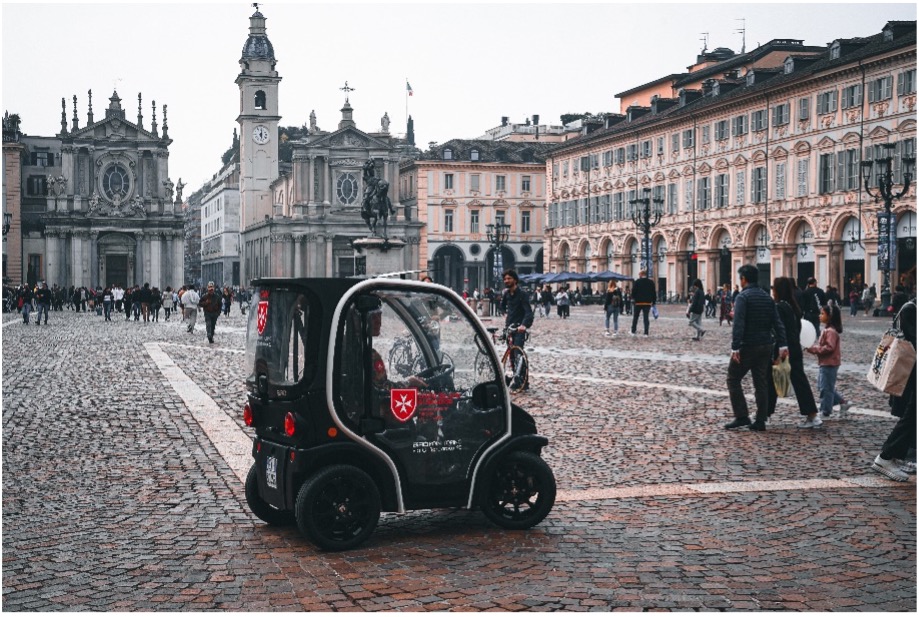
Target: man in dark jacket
(210, 304)
(43, 300)
(644, 296)
(757, 327)
(695, 309)
(812, 299)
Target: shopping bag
(892, 364)
(654, 311)
(781, 377)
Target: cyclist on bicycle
(516, 308)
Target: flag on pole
(408, 88)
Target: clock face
(260, 134)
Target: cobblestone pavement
(121, 486)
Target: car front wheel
(520, 491)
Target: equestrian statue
(376, 204)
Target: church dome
(257, 46)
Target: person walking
(871, 294)
(697, 304)
(783, 292)
(168, 303)
(212, 304)
(562, 303)
(128, 298)
(227, 300)
(644, 297)
(146, 297)
(43, 300)
(107, 301)
(612, 304)
(25, 298)
(727, 305)
(892, 461)
(757, 328)
(812, 300)
(546, 298)
(829, 356)
(190, 303)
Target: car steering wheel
(437, 373)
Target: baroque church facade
(300, 219)
(97, 205)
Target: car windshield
(277, 336)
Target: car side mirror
(486, 396)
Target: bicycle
(514, 363)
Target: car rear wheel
(520, 491)
(260, 507)
(338, 507)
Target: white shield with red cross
(403, 403)
(262, 316)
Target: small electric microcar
(381, 395)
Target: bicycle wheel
(516, 369)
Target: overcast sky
(468, 64)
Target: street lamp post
(7, 221)
(498, 234)
(645, 217)
(886, 226)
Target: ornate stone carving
(282, 238)
(117, 209)
(703, 231)
(168, 187)
(346, 163)
(823, 225)
(909, 102)
(777, 228)
(827, 121)
(853, 114)
(880, 109)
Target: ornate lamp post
(645, 215)
(886, 225)
(497, 235)
(7, 221)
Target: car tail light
(247, 415)
(290, 424)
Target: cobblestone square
(124, 446)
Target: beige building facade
(754, 158)
(461, 187)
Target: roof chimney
(504, 120)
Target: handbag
(781, 377)
(654, 311)
(893, 362)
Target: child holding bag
(829, 356)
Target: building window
(739, 126)
(474, 181)
(675, 142)
(261, 100)
(448, 182)
(474, 155)
(595, 161)
(474, 221)
(660, 146)
(554, 173)
(721, 130)
(704, 194)
(607, 158)
(500, 183)
(851, 170)
(804, 109)
(739, 188)
(802, 177)
(852, 96)
(565, 169)
(780, 180)
(758, 120)
(687, 195)
(499, 217)
(906, 82)
(632, 152)
(448, 154)
(758, 188)
(116, 183)
(36, 185)
(721, 191)
(553, 216)
(618, 202)
(825, 176)
(525, 184)
(780, 114)
(448, 221)
(42, 159)
(672, 198)
(524, 222)
(347, 188)
(689, 138)
(620, 156)
(826, 102)
(646, 149)
(706, 134)
(835, 51)
(880, 89)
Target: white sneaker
(616, 333)
(889, 469)
(908, 467)
(816, 422)
(844, 407)
(606, 333)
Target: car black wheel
(338, 507)
(260, 507)
(520, 491)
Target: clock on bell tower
(258, 122)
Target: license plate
(271, 472)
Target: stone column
(309, 197)
(93, 259)
(326, 182)
(298, 255)
(156, 260)
(162, 174)
(139, 258)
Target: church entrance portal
(116, 270)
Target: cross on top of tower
(255, 4)
(347, 90)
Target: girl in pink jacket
(829, 354)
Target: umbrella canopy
(562, 277)
(533, 277)
(609, 276)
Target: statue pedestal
(382, 255)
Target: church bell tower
(258, 122)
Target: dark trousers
(806, 401)
(210, 322)
(645, 310)
(903, 435)
(757, 361)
